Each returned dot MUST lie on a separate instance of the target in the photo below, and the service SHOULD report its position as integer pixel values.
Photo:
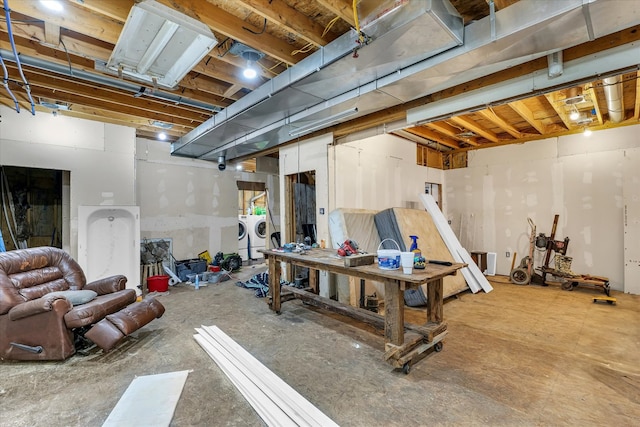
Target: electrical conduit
(7, 13)
(5, 83)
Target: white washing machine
(243, 237)
(257, 234)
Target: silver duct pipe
(104, 80)
(613, 95)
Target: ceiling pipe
(613, 95)
(104, 80)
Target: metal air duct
(613, 95)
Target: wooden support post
(394, 313)
(274, 284)
(434, 301)
(313, 280)
(353, 291)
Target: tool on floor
(522, 274)
(608, 300)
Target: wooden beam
(591, 91)
(223, 71)
(433, 136)
(231, 26)
(527, 114)
(233, 89)
(114, 9)
(288, 18)
(447, 129)
(475, 128)
(341, 8)
(51, 34)
(558, 105)
(636, 110)
(490, 115)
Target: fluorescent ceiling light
(160, 45)
(323, 122)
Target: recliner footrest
(110, 330)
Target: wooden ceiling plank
(283, 15)
(341, 8)
(591, 91)
(447, 129)
(433, 136)
(636, 110)
(233, 89)
(223, 71)
(51, 34)
(558, 105)
(491, 115)
(87, 101)
(231, 26)
(475, 128)
(114, 9)
(58, 84)
(524, 112)
(75, 18)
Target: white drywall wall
(378, 173)
(99, 157)
(580, 178)
(190, 201)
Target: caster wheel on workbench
(438, 347)
(406, 368)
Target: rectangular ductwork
(303, 94)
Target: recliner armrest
(107, 285)
(37, 306)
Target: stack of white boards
(277, 403)
(472, 274)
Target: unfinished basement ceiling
(83, 36)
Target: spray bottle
(414, 247)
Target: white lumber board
(299, 409)
(150, 400)
(270, 413)
(472, 274)
(270, 410)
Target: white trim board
(277, 403)
(150, 400)
(472, 274)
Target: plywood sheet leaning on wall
(414, 222)
(358, 225)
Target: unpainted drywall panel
(188, 200)
(631, 221)
(489, 202)
(543, 149)
(60, 130)
(98, 176)
(605, 140)
(378, 173)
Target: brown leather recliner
(36, 323)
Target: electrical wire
(5, 83)
(7, 13)
(68, 57)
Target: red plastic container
(214, 268)
(158, 283)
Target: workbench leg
(434, 301)
(394, 314)
(313, 280)
(274, 284)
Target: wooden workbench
(400, 351)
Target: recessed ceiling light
(162, 136)
(53, 5)
(250, 72)
(587, 132)
(575, 115)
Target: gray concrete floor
(521, 355)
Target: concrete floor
(521, 355)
